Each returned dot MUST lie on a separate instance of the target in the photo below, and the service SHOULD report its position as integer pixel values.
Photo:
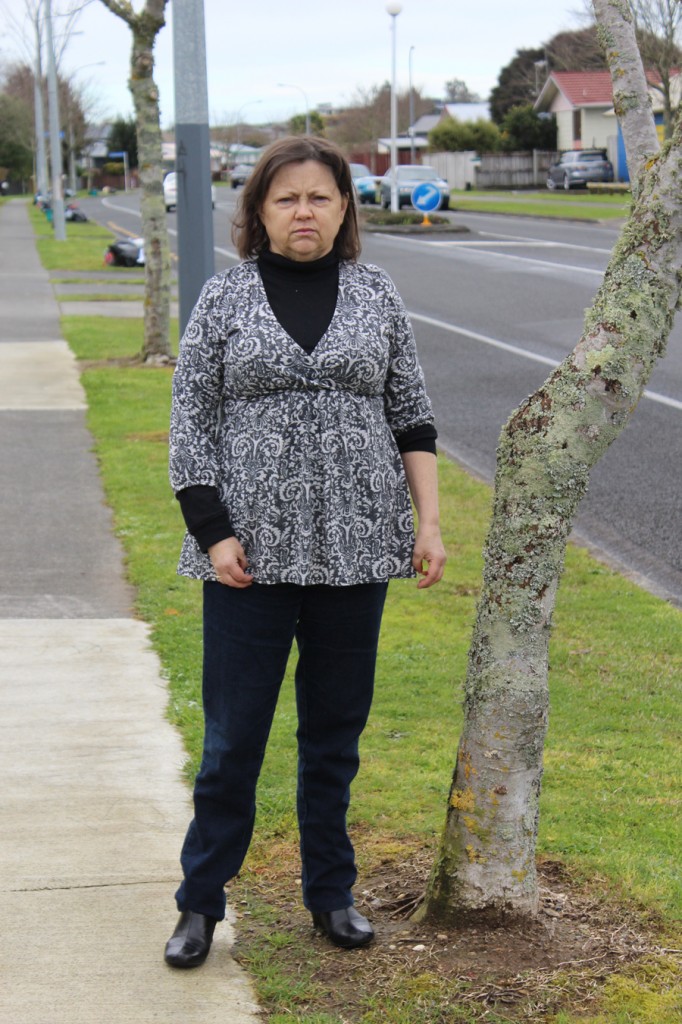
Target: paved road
(493, 310)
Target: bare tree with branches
(658, 33)
(145, 27)
(485, 867)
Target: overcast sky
(325, 49)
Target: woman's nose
(303, 210)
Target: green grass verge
(83, 249)
(562, 205)
(95, 338)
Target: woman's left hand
(429, 556)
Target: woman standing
(299, 421)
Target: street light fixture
(58, 218)
(394, 9)
(412, 156)
(286, 85)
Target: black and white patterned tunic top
(300, 446)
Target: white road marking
(526, 260)
(516, 350)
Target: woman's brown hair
(248, 233)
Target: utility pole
(55, 140)
(192, 154)
(41, 155)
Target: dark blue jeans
(248, 635)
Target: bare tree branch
(123, 9)
(630, 88)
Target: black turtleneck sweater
(302, 295)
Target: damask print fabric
(300, 446)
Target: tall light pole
(412, 48)
(41, 155)
(192, 154)
(286, 85)
(394, 10)
(55, 141)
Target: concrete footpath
(92, 803)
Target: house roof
(460, 111)
(469, 111)
(594, 89)
(580, 88)
(424, 124)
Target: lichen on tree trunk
(485, 867)
(145, 27)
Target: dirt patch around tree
(516, 972)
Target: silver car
(409, 176)
(578, 166)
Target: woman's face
(303, 211)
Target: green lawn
(565, 205)
(83, 249)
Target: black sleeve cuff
(421, 438)
(205, 515)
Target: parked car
(365, 183)
(578, 166)
(409, 176)
(170, 192)
(239, 174)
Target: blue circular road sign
(426, 197)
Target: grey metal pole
(394, 10)
(192, 154)
(41, 155)
(412, 48)
(55, 141)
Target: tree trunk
(144, 27)
(486, 863)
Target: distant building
(465, 112)
(582, 102)
(579, 101)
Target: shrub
(452, 135)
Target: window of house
(577, 127)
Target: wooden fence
(514, 170)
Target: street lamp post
(394, 10)
(286, 85)
(192, 154)
(41, 155)
(412, 156)
(55, 142)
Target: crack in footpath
(93, 885)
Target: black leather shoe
(189, 944)
(346, 928)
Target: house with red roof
(581, 102)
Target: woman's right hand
(229, 561)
